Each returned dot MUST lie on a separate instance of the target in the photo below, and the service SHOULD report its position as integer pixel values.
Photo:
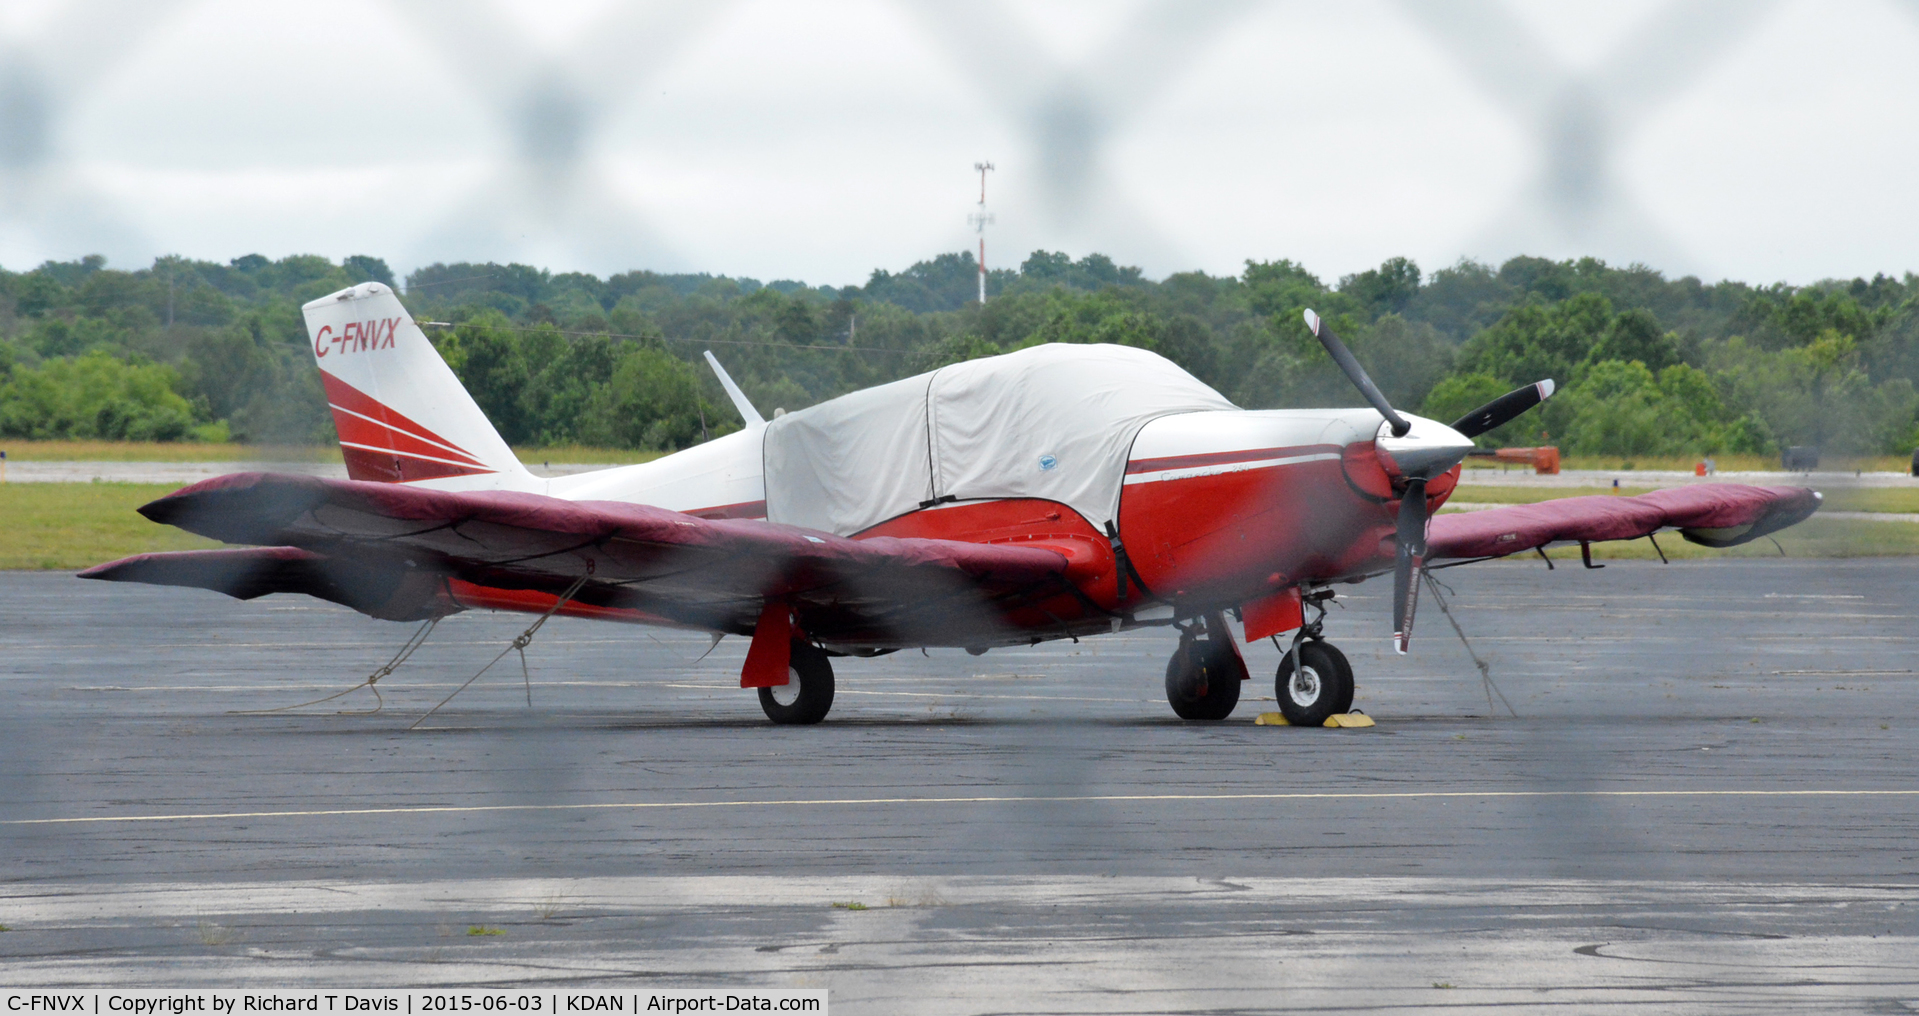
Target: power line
(411, 286)
(669, 338)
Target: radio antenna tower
(979, 221)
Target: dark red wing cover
(240, 572)
(245, 573)
(1714, 514)
(713, 574)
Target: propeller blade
(1502, 410)
(1409, 557)
(1356, 374)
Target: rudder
(402, 415)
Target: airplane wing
(1713, 514)
(402, 552)
(244, 573)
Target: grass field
(148, 451)
(69, 526)
(579, 455)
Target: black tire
(1347, 684)
(1202, 680)
(1326, 686)
(807, 694)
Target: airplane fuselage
(1218, 509)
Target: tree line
(195, 350)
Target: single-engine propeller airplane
(1057, 491)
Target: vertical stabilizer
(402, 415)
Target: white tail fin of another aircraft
(402, 415)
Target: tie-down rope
(519, 644)
(1485, 672)
(371, 683)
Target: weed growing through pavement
(481, 929)
(951, 714)
(910, 896)
(212, 934)
(550, 907)
(849, 906)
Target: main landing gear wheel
(808, 692)
(1202, 679)
(1321, 684)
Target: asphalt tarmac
(1706, 802)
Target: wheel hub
(1304, 687)
(788, 693)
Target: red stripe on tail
(388, 467)
(391, 447)
(344, 396)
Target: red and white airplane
(1058, 491)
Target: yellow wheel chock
(1351, 720)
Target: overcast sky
(820, 140)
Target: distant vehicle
(1800, 459)
(1545, 460)
(1060, 491)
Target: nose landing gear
(1202, 678)
(1314, 682)
(1314, 679)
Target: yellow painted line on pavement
(854, 801)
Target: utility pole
(979, 221)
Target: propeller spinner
(1415, 450)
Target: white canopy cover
(1053, 421)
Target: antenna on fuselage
(747, 412)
